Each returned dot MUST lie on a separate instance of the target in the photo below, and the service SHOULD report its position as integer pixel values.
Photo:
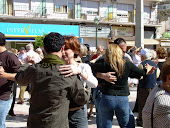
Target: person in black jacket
(115, 96)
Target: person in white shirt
(32, 56)
(77, 114)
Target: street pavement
(21, 111)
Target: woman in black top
(115, 96)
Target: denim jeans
(5, 105)
(77, 119)
(114, 104)
(97, 94)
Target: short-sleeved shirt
(10, 64)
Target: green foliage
(163, 15)
(39, 41)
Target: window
(125, 12)
(2, 6)
(60, 6)
(70, 10)
(89, 7)
(147, 12)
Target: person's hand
(150, 69)
(69, 70)
(1, 70)
(109, 77)
(31, 59)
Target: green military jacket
(50, 94)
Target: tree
(39, 41)
(163, 15)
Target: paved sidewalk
(20, 121)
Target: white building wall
(20, 7)
(126, 1)
(103, 8)
(154, 15)
(50, 8)
(165, 27)
(168, 24)
(35, 5)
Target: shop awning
(146, 42)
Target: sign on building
(33, 30)
(166, 35)
(90, 31)
(122, 31)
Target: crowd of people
(64, 75)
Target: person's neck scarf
(50, 60)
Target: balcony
(52, 13)
(151, 21)
(39, 12)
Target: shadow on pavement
(18, 118)
(13, 127)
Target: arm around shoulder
(78, 93)
(91, 80)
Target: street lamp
(96, 21)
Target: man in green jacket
(50, 91)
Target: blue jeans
(77, 119)
(5, 105)
(97, 94)
(114, 104)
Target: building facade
(116, 19)
(164, 30)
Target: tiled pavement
(21, 111)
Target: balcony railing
(2, 9)
(24, 11)
(150, 21)
(50, 12)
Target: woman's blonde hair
(114, 55)
(83, 50)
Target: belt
(76, 108)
